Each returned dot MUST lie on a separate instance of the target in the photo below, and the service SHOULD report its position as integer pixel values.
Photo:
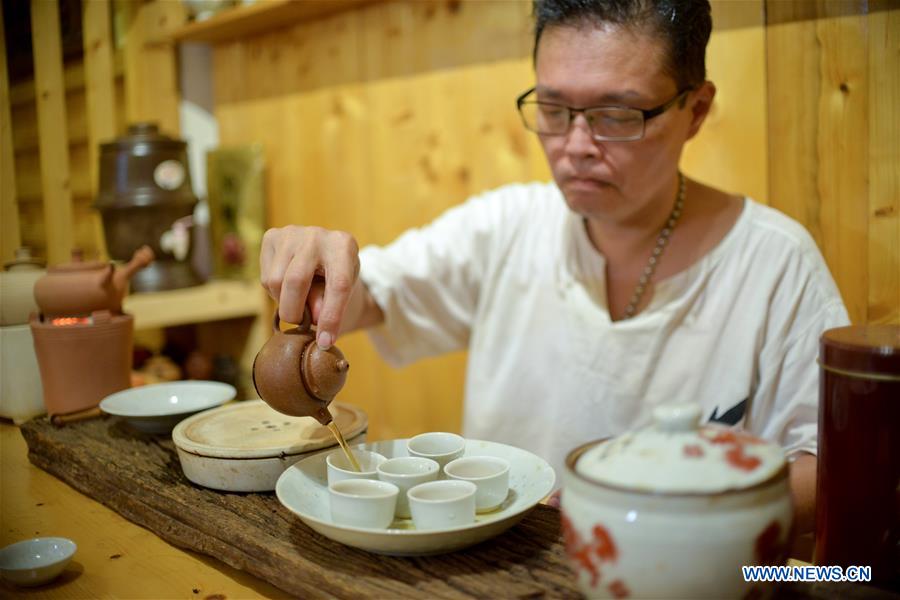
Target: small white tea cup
(442, 504)
(490, 474)
(363, 502)
(339, 467)
(406, 472)
(439, 446)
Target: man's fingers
(341, 270)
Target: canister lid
(862, 349)
(677, 455)
(141, 135)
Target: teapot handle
(304, 325)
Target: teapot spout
(142, 257)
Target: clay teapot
(79, 288)
(296, 377)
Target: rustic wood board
(139, 476)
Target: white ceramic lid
(252, 429)
(677, 455)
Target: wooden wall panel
(379, 119)
(51, 110)
(730, 150)
(884, 166)
(832, 74)
(10, 236)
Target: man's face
(586, 67)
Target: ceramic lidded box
(675, 510)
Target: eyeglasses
(608, 123)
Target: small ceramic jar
(675, 510)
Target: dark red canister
(858, 484)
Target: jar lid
(24, 261)
(862, 349)
(679, 456)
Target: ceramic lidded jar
(675, 510)
(17, 287)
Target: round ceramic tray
(245, 446)
(157, 408)
(303, 489)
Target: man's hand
(803, 490)
(310, 266)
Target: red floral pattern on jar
(735, 455)
(588, 555)
(769, 548)
(693, 450)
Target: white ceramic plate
(303, 489)
(159, 407)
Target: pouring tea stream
(296, 377)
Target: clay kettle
(296, 377)
(79, 288)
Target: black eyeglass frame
(646, 114)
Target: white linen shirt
(512, 276)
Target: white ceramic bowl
(363, 502)
(439, 446)
(339, 467)
(406, 472)
(490, 474)
(442, 504)
(159, 407)
(35, 561)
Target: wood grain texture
(884, 165)
(151, 79)
(140, 477)
(832, 73)
(10, 237)
(100, 93)
(51, 109)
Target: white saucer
(35, 561)
(303, 489)
(159, 407)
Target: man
(621, 286)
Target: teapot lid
(677, 455)
(78, 264)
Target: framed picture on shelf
(237, 209)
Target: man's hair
(684, 25)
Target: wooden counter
(115, 558)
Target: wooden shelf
(212, 301)
(261, 16)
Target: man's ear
(700, 106)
